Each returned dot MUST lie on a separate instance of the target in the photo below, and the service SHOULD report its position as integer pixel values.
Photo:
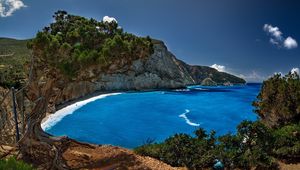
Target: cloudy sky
(252, 39)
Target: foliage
(250, 147)
(71, 43)
(287, 143)
(278, 103)
(183, 150)
(13, 164)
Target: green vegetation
(13, 56)
(250, 147)
(72, 43)
(13, 164)
(254, 145)
(279, 100)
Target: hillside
(204, 75)
(13, 56)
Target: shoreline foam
(52, 119)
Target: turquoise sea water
(130, 119)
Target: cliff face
(161, 70)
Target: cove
(130, 119)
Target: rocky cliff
(161, 70)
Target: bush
(13, 164)
(183, 150)
(250, 147)
(287, 143)
(278, 102)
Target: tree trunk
(36, 145)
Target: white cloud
(109, 19)
(8, 7)
(295, 70)
(277, 39)
(274, 31)
(290, 43)
(219, 67)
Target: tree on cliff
(71, 43)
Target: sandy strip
(53, 119)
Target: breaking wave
(187, 120)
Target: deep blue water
(129, 119)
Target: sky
(252, 39)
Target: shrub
(12, 164)
(278, 102)
(183, 150)
(287, 143)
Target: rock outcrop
(160, 70)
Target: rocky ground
(99, 157)
(81, 156)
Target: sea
(131, 119)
